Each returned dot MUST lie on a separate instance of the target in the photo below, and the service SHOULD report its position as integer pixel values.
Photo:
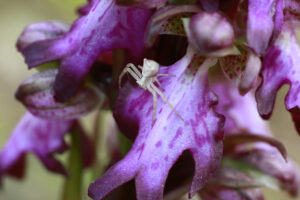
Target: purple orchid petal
(280, 66)
(225, 193)
(234, 106)
(85, 9)
(292, 4)
(292, 10)
(260, 24)
(261, 155)
(268, 160)
(229, 176)
(105, 27)
(234, 140)
(279, 16)
(142, 3)
(204, 32)
(37, 94)
(157, 147)
(230, 183)
(41, 137)
(210, 5)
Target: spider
(146, 80)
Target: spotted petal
(106, 26)
(156, 148)
(281, 66)
(44, 138)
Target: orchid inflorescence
(207, 73)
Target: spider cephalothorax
(146, 79)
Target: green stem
(98, 137)
(73, 184)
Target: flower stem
(118, 61)
(73, 184)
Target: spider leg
(154, 103)
(159, 84)
(135, 69)
(165, 99)
(158, 75)
(134, 72)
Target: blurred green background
(39, 183)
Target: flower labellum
(156, 148)
(42, 137)
(192, 124)
(280, 66)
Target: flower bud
(37, 94)
(41, 31)
(210, 32)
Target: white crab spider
(146, 81)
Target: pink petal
(156, 149)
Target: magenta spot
(154, 166)
(140, 149)
(100, 18)
(198, 136)
(165, 128)
(178, 134)
(166, 158)
(160, 110)
(149, 110)
(154, 122)
(158, 144)
(70, 40)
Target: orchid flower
(249, 149)
(104, 27)
(32, 134)
(192, 96)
